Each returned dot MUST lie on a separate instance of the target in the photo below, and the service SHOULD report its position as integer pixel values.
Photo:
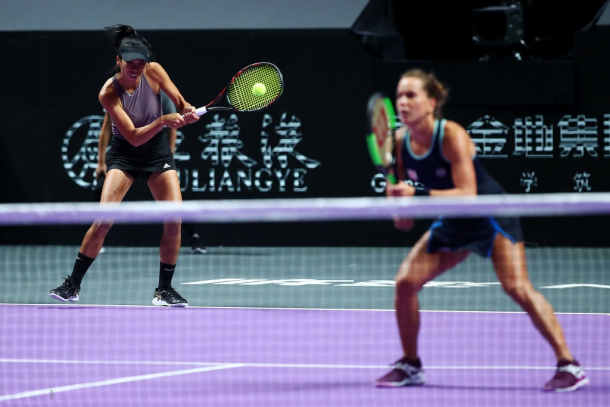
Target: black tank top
(433, 170)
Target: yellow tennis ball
(259, 89)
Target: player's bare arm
(135, 136)
(459, 149)
(160, 80)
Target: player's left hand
(403, 224)
(400, 189)
(100, 170)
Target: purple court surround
(148, 356)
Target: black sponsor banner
(527, 130)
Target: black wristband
(423, 191)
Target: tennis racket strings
(382, 131)
(240, 93)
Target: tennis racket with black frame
(380, 134)
(239, 91)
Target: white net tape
(280, 210)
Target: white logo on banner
(529, 180)
(582, 182)
(577, 137)
(607, 135)
(489, 136)
(532, 138)
(79, 150)
(178, 154)
(279, 166)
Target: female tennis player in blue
(438, 158)
(139, 147)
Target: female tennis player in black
(139, 147)
(167, 106)
(439, 158)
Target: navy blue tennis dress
(433, 171)
(143, 106)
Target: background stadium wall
(540, 126)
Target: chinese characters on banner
(278, 165)
(575, 137)
(271, 157)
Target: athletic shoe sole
(62, 299)
(398, 384)
(417, 380)
(572, 388)
(161, 303)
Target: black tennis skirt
(476, 234)
(153, 156)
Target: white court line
(120, 380)
(562, 286)
(275, 365)
(111, 362)
(170, 309)
(220, 366)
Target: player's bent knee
(406, 285)
(519, 291)
(410, 277)
(100, 228)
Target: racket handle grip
(201, 111)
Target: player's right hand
(190, 115)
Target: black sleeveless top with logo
(432, 170)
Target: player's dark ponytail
(125, 35)
(121, 34)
